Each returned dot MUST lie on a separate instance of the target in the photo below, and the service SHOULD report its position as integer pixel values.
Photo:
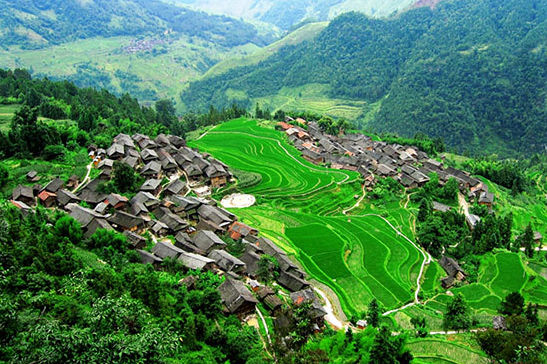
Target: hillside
(146, 48)
(285, 13)
(472, 72)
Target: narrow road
(265, 325)
(86, 178)
(345, 212)
(330, 317)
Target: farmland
(359, 256)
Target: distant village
(167, 206)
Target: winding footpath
(86, 178)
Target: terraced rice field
(442, 351)
(501, 274)
(360, 257)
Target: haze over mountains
(472, 72)
(287, 13)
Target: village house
(217, 175)
(54, 186)
(251, 259)
(454, 271)
(197, 262)
(472, 220)
(166, 250)
(151, 170)
(47, 199)
(174, 188)
(136, 241)
(227, 262)
(73, 182)
(317, 313)
(239, 230)
(237, 298)
(207, 241)
(124, 221)
(64, 197)
(152, 186)
(22, 207)
(312, 156)
(292, 282)
(116, 201)
(437, 206)
(213, 218)
(183, 241)
(486, 199)
(537, 237)
(174, 222)
(149, 258)
(24, 194)
(143, 202)
(116, 151)
(32, 177)
(361, 324)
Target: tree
(388, 349)
(513, 304)
(420, 326)
(424, 210)
(125, 179)
(373, 314)
(526, 241)
(4, 175)
(166, 112)
(457, 314)
(450, 190)
(531, 313)
(268, 268)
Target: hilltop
(471, 72)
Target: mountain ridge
(444, 72)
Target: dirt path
(207, 132)
(86, 178)
(265, 325)
(463, 204)
(357, 203)
(330, 317)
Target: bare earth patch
(238, 200)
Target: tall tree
(373, 313)
(512, 304)
(457, 314)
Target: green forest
(30, 24)
(471, 72)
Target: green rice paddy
(359, 256)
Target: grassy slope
(164, 73)
(302, 34)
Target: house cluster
(189, 229)
(357, 152)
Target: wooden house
(24, 194)
(207, 241)
(136, 241)
(237, 298)
(149, 258)
(152, 186)
(197, 262)
(47, 199)
(226, 261)
(124, 221)
(239, 230)
(453, 270)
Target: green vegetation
(438, 350)
(69, 299)
(297, 200)
(435, 71)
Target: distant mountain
(145, 47)
(40, 23)
(471, 71)
(287, 13)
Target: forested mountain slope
(38, 23)
(146, 48)
(472, 72)
(287, 13)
